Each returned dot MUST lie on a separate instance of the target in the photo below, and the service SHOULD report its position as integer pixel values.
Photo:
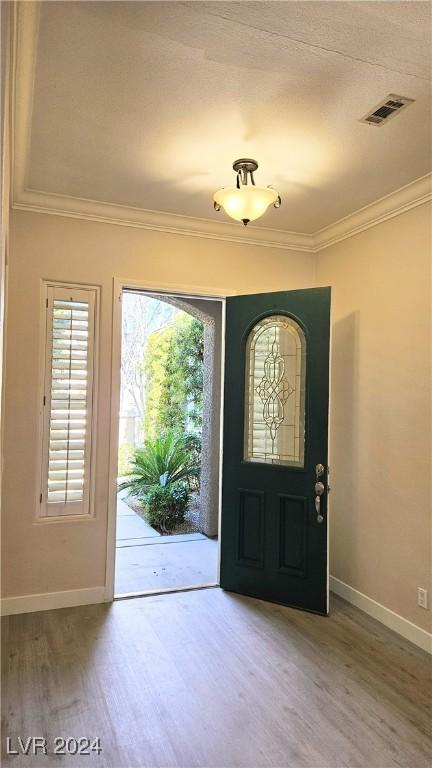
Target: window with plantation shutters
(68, 401)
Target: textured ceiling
(147, 104)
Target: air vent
(382, 113)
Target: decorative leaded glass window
(275, 392)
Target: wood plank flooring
(209, 679)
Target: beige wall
(380, 421)
(380, 411)
(62, 556)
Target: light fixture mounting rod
(245, 164)
(243, 167)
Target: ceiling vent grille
(387, 109)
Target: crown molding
(401, 200)
(25, 26)
(398, 202)
(108, 213)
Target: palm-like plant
(162, 461)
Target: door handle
(320, 518)
(319, 490)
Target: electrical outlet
(422, 597)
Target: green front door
(274, 483)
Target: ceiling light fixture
(245, 202)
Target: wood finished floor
(209, 678)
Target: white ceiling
(147, 104)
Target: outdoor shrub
(174, 377)
(125, 455)
(166, 505)
(192, 443)
(159, 475)
(161, 462)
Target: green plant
(165, 505)
(125, 454)
(193, 444)
(158, 348)
(164, 463)
(174, 375)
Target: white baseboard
(48, 600)
(389, 618)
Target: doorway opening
(169, 443)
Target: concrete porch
(145, 560)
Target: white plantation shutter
(68, 401)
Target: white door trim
(119, 285)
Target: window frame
(48, 291)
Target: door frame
(171, 289)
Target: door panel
(251, 528)
(292, 534)
(273, 545)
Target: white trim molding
(120, 284)
(25, 29)
(398, 202)
(182, 290)
(25, 33)
(46, 601)
(159, 221)
(389, 618)
(409, 196)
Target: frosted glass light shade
(247, 203)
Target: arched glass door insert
(275, 392)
